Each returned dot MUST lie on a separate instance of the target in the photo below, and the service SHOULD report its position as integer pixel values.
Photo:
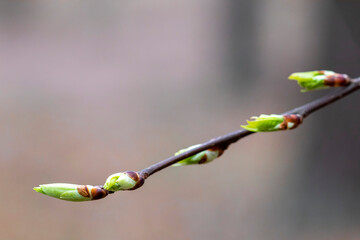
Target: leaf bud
(72, 192)
(201, 157)
(124, 181)
(273, 122)
(314, 80)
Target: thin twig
(225, 140)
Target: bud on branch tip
(199, 158)
(273, 122)
(72, 192)
(315, 80)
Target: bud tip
(38, 189)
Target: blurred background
(90, 88)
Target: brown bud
(216, 148)
(98, 192)
(337, 80)
(137, 178)
(95, 192)
(291, 121)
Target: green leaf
(264, 123)
(312, 80)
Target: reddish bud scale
(96, 192)
(291, 121)
(216, 148)
(137, 178)
(204, 158)
(337, 80)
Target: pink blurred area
(93, 88)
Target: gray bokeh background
(89, 88)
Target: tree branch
(224, 141)
(130, 180)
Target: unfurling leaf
(315, 80)
(273, 122)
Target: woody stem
(224, 141)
